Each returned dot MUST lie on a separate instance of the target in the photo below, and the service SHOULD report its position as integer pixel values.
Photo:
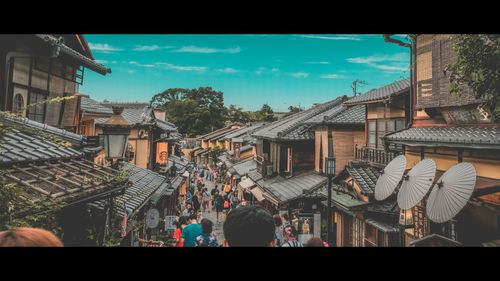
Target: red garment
(177, 235)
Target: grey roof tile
(91, 106)
(287, 189)
(395, 88)
(463, 136)
(293, 126)
(22, 147)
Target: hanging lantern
(116, 131)
(330, 166)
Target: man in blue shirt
(191, 231)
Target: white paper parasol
(451, 192)
(390, 177)
(416, 183)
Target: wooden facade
(434, 107)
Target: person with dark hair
(207, 239)
(180, 224)
(285, 219)
(206, 200)
(219, 206)
(279, 229)
(291, 237)
(315, 242)
(29, 237)
(196, 203)
(251, 226)
(191, 231)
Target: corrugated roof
(293, 187)
(463, 136)
(144, 184)
(395, 88)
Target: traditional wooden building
(36, 67)
(48, 162)
(212, 140)
(451, 129)
(145, 149)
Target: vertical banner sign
(317, 225)
(161, 152)
(169, 223)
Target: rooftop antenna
(354, 84)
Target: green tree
(236, 114)
(293, 109)
(265, 114)
(193, 111)
(478, 67)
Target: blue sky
(250, 69)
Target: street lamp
(116, 131)
(330, 173)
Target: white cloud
(182, 68)
(300, 74)
(318, 62)
(103, 48)
(227, 70)
(140, 64)
(397, 62)
(260, 70)
(354, 38)
(150, 48)
(194, 49)
(331, 76)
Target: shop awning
(246, 183)
(258, 194)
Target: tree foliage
(193, 111)
(478, 67)
(236, 114)
(293, 109)
(265, 114)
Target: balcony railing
(373, 155)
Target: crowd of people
(243, 224)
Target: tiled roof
(139, 114)
(91, 106)
(287, 189)
(144, 184)
(469, 136)
(365, 177)
(244, 166)
(243, 131)
(395, 88)
(18, 146)
(242, 149)
(221, 135)
(293, 126)
(219, 130)
(340, 114)
(27, 125)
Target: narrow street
(212, 215)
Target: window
(18, 105)
(378, 128)
(36, 113)
(370, 236)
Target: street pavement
(212, 215)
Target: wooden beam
(60, 177)
(91, 167)
(45, 192)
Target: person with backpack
(205, 200)
(219, 206)
(291, 237)
(227, 205)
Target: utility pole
(354, 85)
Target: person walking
(196, 203)
(191, 231)
(291, 237)
(212, 193)
(279, 229)
(189, 197)
(219, 206)
(207, 238)
(295, 221)
(227, 205)
(180, 224)
(206, 200)
(234, 200)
